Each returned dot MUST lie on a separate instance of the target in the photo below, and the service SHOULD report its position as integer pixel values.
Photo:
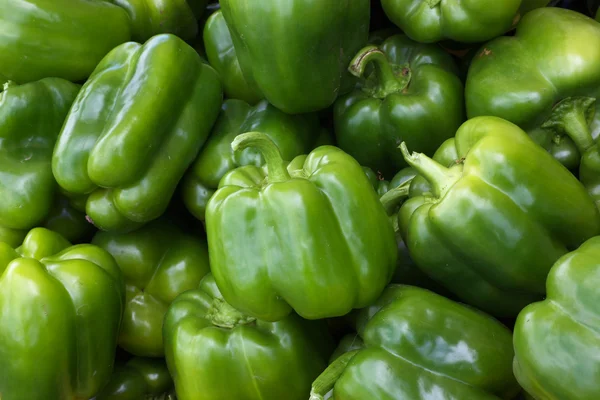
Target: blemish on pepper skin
(485, 52)
(516, 19)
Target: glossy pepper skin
(296, 52)
(414, 344)
(216, 352)
(31, 117)
(562, 69)
(293, 134)
(494, 223)
(152, 17)
(557, 341)
(221, 55)
(159, 262)
(139, 378)
(128, 161)
(58, 38)
(413, 95)
(60, 312)
(326, 244)
(471, 21)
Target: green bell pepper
(223, 58)
(139, 378)
(31, 116)
(557, 341)
(415, 344)
(153, 17)
(126, 159)
(58, 38)
(216, 352)
(553, 59)
(493, 224)
(413, 95)
(60, 312)
(326, 244)
(293, 134)
(295, 52)
(159, 262)
(472, 21)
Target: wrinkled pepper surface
(296, 52)
(139, 378)
(60, 312)
(414, 344)
(31, 117)
(557, 341)
(221, 55)
(413, 95)
(545, 79)
(158, 262)
(217, 352)
(293, 134)
(493, 224)
(126, 160)
(471, 21)
(326, 244)
(58, 38)
(152, 17)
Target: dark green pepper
(58, 38)
(216, 352)
(413, 95)
(60, 313)
(473, 21)
(494, 223)
(223, 58)
(139, 378)
(414, 344)
(542, 79)
(125, 159)
(326, 244)
(296, 52)
(293, 134)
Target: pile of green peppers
(299, 200)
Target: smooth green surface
(554, 55)
(159, 262)
(60, 312)
(293, 134)
(493, 224)
(413, 95)
(421, 346)
(296, 52)
(223, 58)
(128, 159)
(321, 241)
(58, 38)
(31, 116)
(215, 352)
(153, 17)
(467, 21)
(139, 378)
(557, 341)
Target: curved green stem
(387, 80)
(275, 164)
(440, 177)
(395, 197)
(223, 315)
(572, 117)
(325, 382)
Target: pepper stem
(394, 197)
(387, 80)
(572, 117)
(224, 315)
(440, 177)
(275, 164)
(326, 381)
